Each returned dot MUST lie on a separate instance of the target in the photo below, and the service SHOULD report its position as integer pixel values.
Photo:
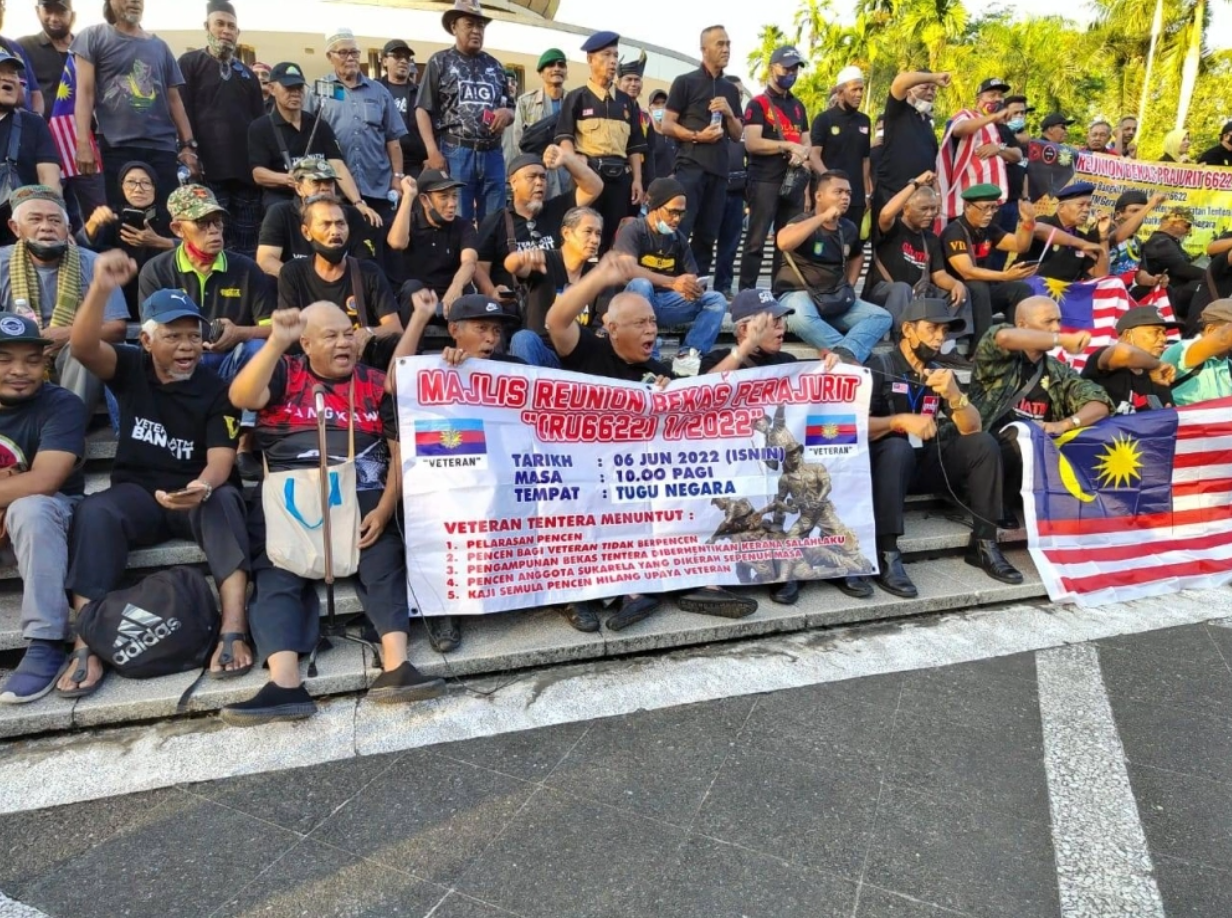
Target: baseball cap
(993, 83)
(1141, 316)
(1217, 311)
(313, 167)
(1226, 129)
(396, 45)
(164, 306)
(436, 180)
(287, 74)
(551, 56)
(752, 302)
(657, 95)
(931, 309)
(15, 329)
(192, 203)
(787, 55)
(1054, 119)
(1129, 199)
(67, 4)
(7, 57)
(477, 306)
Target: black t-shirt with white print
(167, 429)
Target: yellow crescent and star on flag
(1116, 467)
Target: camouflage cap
(1180, 213)
(35, 193)
(313, 167)
(192, 203)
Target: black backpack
(540, 135)
(168, 623)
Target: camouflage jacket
(999, 374)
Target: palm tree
(768, 39)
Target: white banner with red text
(527, 487)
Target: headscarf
(1172, 145)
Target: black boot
(786, 593)
(855, 587)
(893, 577)
(986, 555)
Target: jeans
(483, 171)
(707, 196)
(38, 528)
(243, 203)
(857, 330)
(893, 297)
(729, 241)
(671, 309)
(528, 346)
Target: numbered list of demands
(524, 555)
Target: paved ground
(1087, 780)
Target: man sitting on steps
(174, 468)
(43, 431)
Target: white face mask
(923, 106)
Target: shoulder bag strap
(282, 144)
(15, 138)
(357, 290)
(1025, 389)
(791, 263)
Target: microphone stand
(331, 627)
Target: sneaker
(847, 357)
(36, 674)
(687, 363)
(444, 635)
(405, 683)
(270, 705)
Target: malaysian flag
(958, 168)
(63, 122)
(1134, 506)
(1095, 306)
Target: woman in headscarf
(1176, 147)
(131, 229)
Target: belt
(482, 145)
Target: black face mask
(47, 251)
(334, 254)
(435, 215)
(924, 352)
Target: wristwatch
(962, 402)
(182, 145)
(1076, 421)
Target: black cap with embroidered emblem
(931, 309)
(1141, 317)
(993, 83)
(15, 329)
(477, 306)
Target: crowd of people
(559, 228)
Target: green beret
(550, 56)
(983, 192)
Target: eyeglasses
(675, 213)
(138, 185)
(986, 208)
(347, 52)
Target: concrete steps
(500, 644)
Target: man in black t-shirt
(1218, 272)
(534, 218)
(842, 139)
(281, 238)
(277, 141)
(222, 98)
(1221, 153)
(624, 351)
(1064, 251)
(357, 287)
(701, 116)
(547, 275)
(826, 251)
(285, 611)
(42, 440)
(914, 401)
(440, 251)
(907, 259)
(968, 244)
(173, 475)
(1130, 370)
(398, 59)
(776, 141)
(909, 146)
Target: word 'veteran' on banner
(1134, 506)
(526, 487)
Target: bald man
(1016, 379)
(284, 615)
(625, 352)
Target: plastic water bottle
(392, 197)
(184, 175)
(22, 308)
(716, 118)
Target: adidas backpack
(167, 623)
